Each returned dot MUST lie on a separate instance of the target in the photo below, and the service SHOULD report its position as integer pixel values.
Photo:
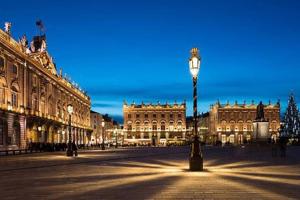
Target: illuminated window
(14, 99)
(171, 125)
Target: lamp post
(196, 158)
(70, 149)
(103, 124)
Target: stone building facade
(149, 124)
(108, 132)
(96, 125)
(34, 97)
(234, 123)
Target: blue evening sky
(138, 50)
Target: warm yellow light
(70, 109)
(194, 62)
(103, 123)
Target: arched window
(146, 124)
(14, 95)
(154, 125)
(171, 125)
(179, 125)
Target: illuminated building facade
(99, 132)
(234, 123)
(34, 97)
(96, 125)
(154, 124)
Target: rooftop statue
(260, 115)
(7, 27)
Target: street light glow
(70, 109)
(194, 62)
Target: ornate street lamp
(196, 158)
(70, 149)
(103, 124)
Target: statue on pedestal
(260, 115)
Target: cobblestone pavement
(152, 173)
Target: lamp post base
(196, 158)
(196, 163)
(69, 152)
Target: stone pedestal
(261, 131)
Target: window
(171, 115)
(137, 116)
(129, 116)
(1, 63)
(163, 126)
(34, 102)
(15, 69)
(137, 124)
(171, 125)
(14, 99)
(154, 126)
(34, 80)
(154, 115)
(129, 127)
(162, 115)
(43, 108)
(146, 115)
(2, 95)
(179, 115)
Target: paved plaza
(152, 173)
